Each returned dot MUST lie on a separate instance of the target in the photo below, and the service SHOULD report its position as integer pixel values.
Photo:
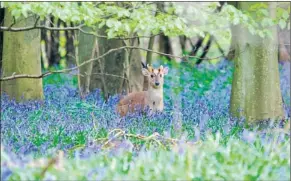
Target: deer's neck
(155, 93)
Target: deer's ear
(145, 72)
(165, 70)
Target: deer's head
(155, 75)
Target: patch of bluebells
(284, 68)
(63, 120)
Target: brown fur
(153, 97)
(131, 102)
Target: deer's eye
(152, 76)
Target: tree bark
(284, 45)
(164, 41)
(148, 61)
(54, 56)
(46, 44)
(113, 64)
(70, 46)
(86, 44)
(1, 36)
(21, 55)
(231, 53)
(136, 77)
(256, 94)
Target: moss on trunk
(22, 55)
(256, 93)
(85, 48)
(113, 66)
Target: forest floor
(98, 144)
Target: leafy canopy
(126, 18)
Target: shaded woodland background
(65, 65)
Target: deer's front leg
(151, 109)
(160, 106)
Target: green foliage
(60, 79)
(205, 161)
(125, 18)
(262, 15)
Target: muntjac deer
(152, 98)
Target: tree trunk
(86, 44)
(164, 41)
(149, 60)
(54, 39)
(183, 42)
(21, 55)
(70, 46)
(231, 53)
(284, 45)
(1, 36)
(112, 67)
(46, 44)
(136, 77)
(256, 94)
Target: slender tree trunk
(183, 40)
(148, 61)
(284, 45)
(113, 68)
(256, 94)
(149, 56)
(21, 55)
(70, 46)
(165, 45)
(231, 53)
(164, 41)
(284, 37)
(47, 40)
(86, 45)
(54, 56)
(1, 36)
(136, 77)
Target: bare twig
(14, 76)
(36, 21)
(13, 23)
(113, 135)
(50, 163)
(118, 38)
(2, 28)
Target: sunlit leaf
(282, 23)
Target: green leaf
(236, 20)
(127, 28)
(111, 34)
(101, 24)
(264, 12)
(202, 34)
(261, 34)
(110, 22)
(266, 22)
(282, 23)
(285, 14)
(24, 13)
(122, 13)
(75, 18)
(269, 34)
(252, 30)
